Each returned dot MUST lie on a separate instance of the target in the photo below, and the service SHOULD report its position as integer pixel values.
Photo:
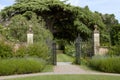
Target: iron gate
(52, 47)
(84, 48)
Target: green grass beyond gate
(64, 58)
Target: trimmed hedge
(106, 64)
(21, 66)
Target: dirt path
(60, 69)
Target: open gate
(84, 48)
(52, 46)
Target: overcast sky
(103, 6)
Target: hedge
(21, 65)
(106, 64)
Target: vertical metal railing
(54, 57)
(78, 50)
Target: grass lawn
(70, 77)
(48, 68)
(64, 58)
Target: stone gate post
(30, 35)
(96, 40)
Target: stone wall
(103, 50)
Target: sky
(102, 6)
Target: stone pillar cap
(96, 29)
(30, 29)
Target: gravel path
(68, 68)
(60, 69)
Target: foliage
(4, 32)
(70, 49)
(21, 52)
(5, 50)
(106, 64)
(89, 18)
(38, 26)
(109, 20)
(84, 61)
(18, 28)
(37, 49)
(21, 66)
(85, 46)
(63, 20)
(61, 43)
(104, 38)
(19, 25)
(115, 35)
(114, 50)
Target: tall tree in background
(109, 20)
(115, 35)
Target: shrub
(106, 64)
(21, 65)
(85, 46)
(5, 50)
(114, 51)
(70, 49)
(37, 49)
(85, 61)
(21, 52)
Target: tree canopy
(115, 35)
(63, 20)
